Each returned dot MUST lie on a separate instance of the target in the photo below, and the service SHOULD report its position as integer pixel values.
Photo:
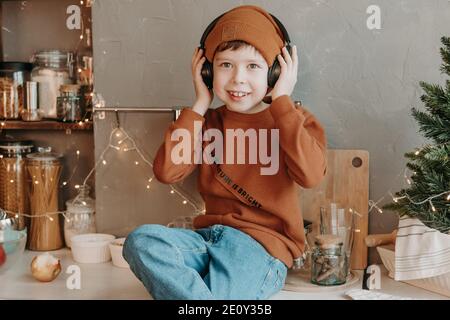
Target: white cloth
(362, 294)
(420, 251)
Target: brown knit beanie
(251, 24)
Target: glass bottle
(329, 261)
(80, 215)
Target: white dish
(116, 248)
(91, 247)
(439, 284)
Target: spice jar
(31, 110)
(52, 69)
(13, 76)
(69, 104)
(329, 261)
(13, 184)
(44, 171)
(80, 217)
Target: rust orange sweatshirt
(266, 207)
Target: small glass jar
(52, 69)
(69, 104)
(329, 261)
(80, 213)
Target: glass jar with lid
(69, 104)
(44, 171)
(13, 77)
(329, 265)
(80, 215)
(13, 178)
(52, 69)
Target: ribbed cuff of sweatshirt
(281, 106)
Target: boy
(252, 231)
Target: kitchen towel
(420, 251)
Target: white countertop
(105, 281)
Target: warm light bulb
(50, 218)
(417, 152)
(78, 152)
(148, 187)
(184, 201)
(12, 181)
(64, 183)
(432, 207)
(136, 162)
(104, 162)
(80, 123)
(81, 36)
(81, 2)
(79, 70)
(77, 186)
(171, 191)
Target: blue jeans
(218, 262)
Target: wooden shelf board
(44, 125)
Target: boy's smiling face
(240, 79)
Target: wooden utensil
(375, 240)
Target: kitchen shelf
(44, 125)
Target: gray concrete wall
(360, 84)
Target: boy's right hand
(204, 95)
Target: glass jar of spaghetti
(13, 184)
(44, 170)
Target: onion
(45, 267)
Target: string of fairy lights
(125, 143)
(446, 194)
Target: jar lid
(69, 88)
(15, 66)
(15, 146)
(328, 240)
(44, 154)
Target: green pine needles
(428, 196)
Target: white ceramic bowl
(91, 247)
(116, 248)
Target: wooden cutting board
(346, 183)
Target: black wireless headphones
(274, 71)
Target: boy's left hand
(288, 76)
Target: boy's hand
(204, 95)
(288, 76)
